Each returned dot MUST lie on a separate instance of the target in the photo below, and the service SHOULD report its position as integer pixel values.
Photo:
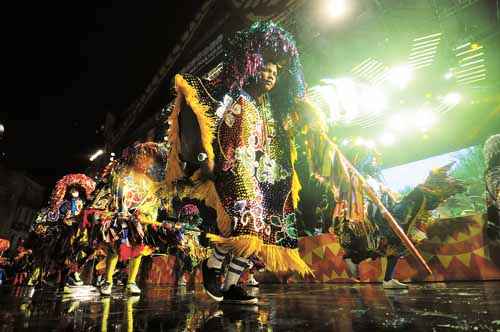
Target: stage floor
(467, 306)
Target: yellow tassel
(296, 187)
(200, 110)
(174, 170)
(276, 258)
(206, 192)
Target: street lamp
(96, 155)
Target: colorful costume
(246, 146)
(371, 237)
(180, 237)
(126, 202)
(58, 239)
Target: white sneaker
(133, 289)
(252, 282)
(106, 289)
(394, 284)
(74, 280)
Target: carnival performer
(232, 147)
(179, 237)
(66, 243)
(372, 237)
(22, 264)
(125, 204)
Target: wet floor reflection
(301, 307)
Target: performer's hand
(207, 170)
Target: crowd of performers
(222, 190)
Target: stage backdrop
(457, 249)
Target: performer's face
(267, 77)
(74, 193)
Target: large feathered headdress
(81, 181)
(248, 50)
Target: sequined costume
(248, 148)
(125, 205)
(127, 200)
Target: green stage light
(398, 122)
(387, 139)
(452, 98)
(400, 76)
(425, 119)
(370, 144)
(373, 100)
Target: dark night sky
(82, 61)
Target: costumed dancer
(232, 148)
(70, 241)
(22, 264)
(180, 237)
(189, 252)
(42, 237)
(371, 236)
(127, 202)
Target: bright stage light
(452, 98)
(398, 122)
(425, 119)
(387, 139)
(400, 76)
(2, 130)
(96, 155)
(348, 98)
(448, 75)
(372, 100)
(360, 141)
(370, 144)
(337, 8)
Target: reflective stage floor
(467, 306)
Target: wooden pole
(385, 213)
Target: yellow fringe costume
(254, 187)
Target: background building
(20, 199)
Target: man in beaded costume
(232, 147)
